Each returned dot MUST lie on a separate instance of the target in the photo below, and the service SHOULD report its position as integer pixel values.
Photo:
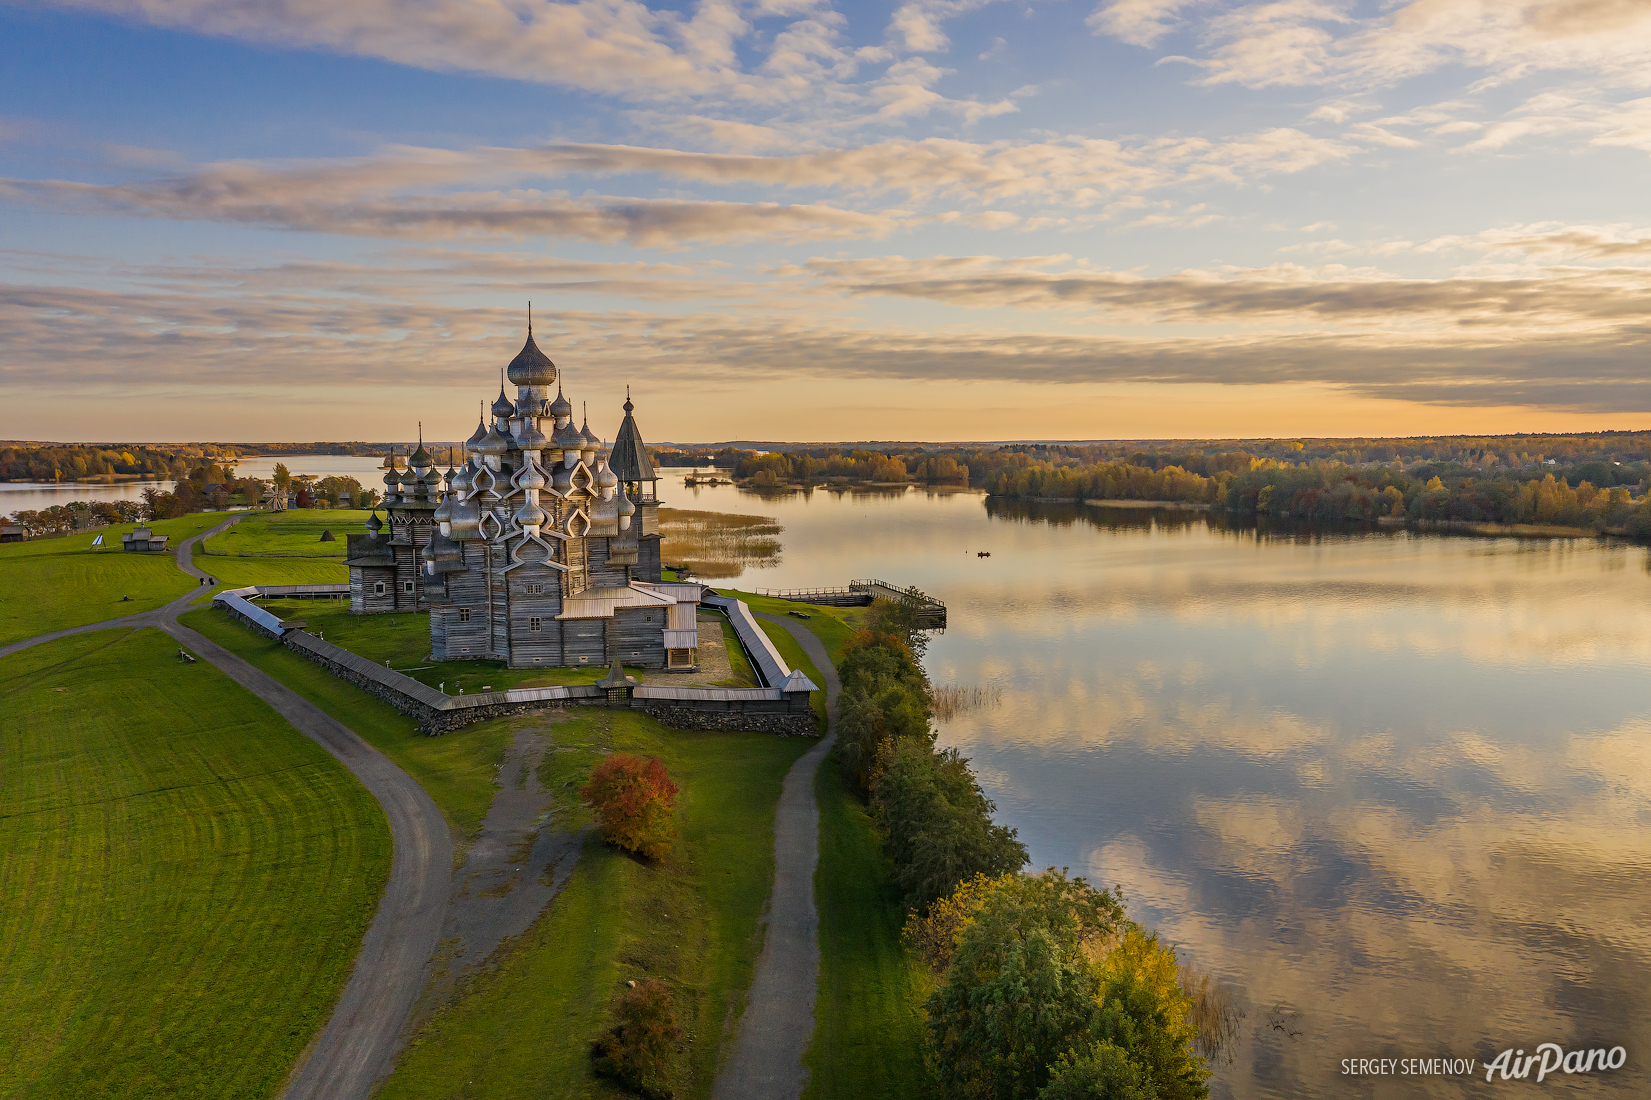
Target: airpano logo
(1552, 1058)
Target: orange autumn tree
(633, 799)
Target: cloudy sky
(792, 219)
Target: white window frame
(378, 588)
(407, 588)
(535, 623)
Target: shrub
(1020, 989)
(637, 1050)
(885, 697)
(633, 799)
(937, 825)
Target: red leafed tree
(633, 799)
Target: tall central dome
(531, 367)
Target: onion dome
(374, 524)
(444, 510)
(561, 479)
(421, 459)
(466, 520)
(476, 436)
(459, 483)
(626, 511)
(492, 443)
(568, 438)
(591, 442)
(531, 478)
(561, 406)
(606, 479)
(503, 407)
(530, 515)
(531, 367)
(531, 439)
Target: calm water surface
(1394, 788)
(32, 496)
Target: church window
(378, 589)
(534, 623)
(464, 614)
(535, 589)
(407, 587)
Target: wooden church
(540, 548)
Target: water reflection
(1395, 787)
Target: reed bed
(951, 700)
(716, 544)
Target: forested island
(1595, 482)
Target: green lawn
(834, 625)
(459, 772)
(295, 533)
(403, 639)
(522, 1029)
(184, 878)
(282, 548)
(868, 1034)
(49, 584)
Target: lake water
(1394, 788)
(31, 496)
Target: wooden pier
(931, 613)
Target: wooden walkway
(931, 612)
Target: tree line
(1335, 491)
(1041, 987)
(202, 487)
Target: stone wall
(404, 694)
(687, 718)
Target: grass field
(522, 1030)
(458, 772)
(164, 838)
(295, 533)
(281, 548)
(868, 1034)
(49, 584)
(403, 639)
(834, 625)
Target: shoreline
(1442, 526)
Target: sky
(260, 220)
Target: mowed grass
(460, 773)
(294, 533)
(403, 639)
(523, 1029)
(835, 626)
(868, 1033)
(49, 584)
(184, 878)
(282, 548)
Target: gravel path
(778, 1024)
(358, 1046)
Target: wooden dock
(931, 613)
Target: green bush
(637, 1050)
(937, 825)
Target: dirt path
(513, 869)
(778, 1024)
(359, 1044)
